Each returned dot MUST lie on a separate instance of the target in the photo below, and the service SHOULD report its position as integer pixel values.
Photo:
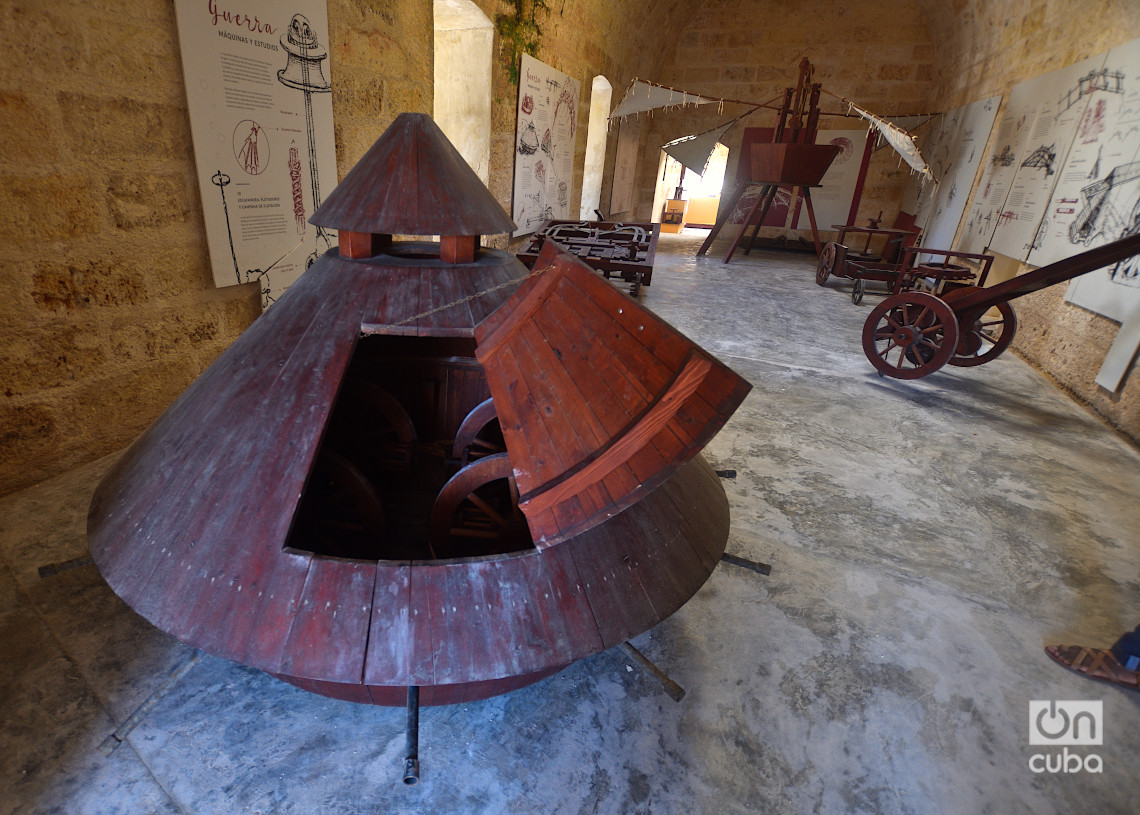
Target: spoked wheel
(340, 514)
(984, 337)
(857, 290)
(372, 427)
(910, 335)
(477, 512)
(479, 435)
(828, 258)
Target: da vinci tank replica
(425, 466)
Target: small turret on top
(412, 181)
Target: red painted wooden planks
(329, 632)
(412, 181)
(598, 434)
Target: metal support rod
(672, 688)
(412, 748)
(745, 563)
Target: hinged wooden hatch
(599, 399)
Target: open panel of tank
(412, 464)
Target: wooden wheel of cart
(341, 513)
(857, 290)
(828, 262)
(479, 435)
(477, 512)
(371, 426)
(910, 335)
(986, 337)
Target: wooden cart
(898, 263)
(625, 250)
(914, 333)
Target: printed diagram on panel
(1098, 190)
(1043, 158)
(261, 116)
(544, 145)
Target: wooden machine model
(790, 160)
(625, 250)
(914, 333)
(425, 471)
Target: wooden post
(361, 244)
(458, 248)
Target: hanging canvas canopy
(695, 151)
(643, 96)
(901, 140)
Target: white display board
(544, 145)
(1053, 111)
(953, 145)
(258, 88)
(1010, 200)
(831, 201)
(1097, 197)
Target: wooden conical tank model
(425, 466)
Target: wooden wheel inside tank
(910, 335)
(477, 512)
(479, 435)
(341, 513)
(982, 338)
(372, 428)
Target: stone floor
(926, 539)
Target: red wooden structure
(912, 334)
(791, 160)
(623, 249)
(407, 474)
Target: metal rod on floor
(412, 749)
(745, 563)
(672, 688)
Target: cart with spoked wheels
(914, 333)
(907, 268)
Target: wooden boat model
(425, 466)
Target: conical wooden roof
(413, 181)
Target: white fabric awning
(694, 151)
(643, 96)
(902, 142)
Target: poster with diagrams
(544, 145)
(953, 145)
(1056, 110)
(1021, 129)
(258, 88)
(831, 201)
(1097, 196)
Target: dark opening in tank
(412, 465)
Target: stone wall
(877, 54)
(106, 295)
(584, 38)
(989, 48)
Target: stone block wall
(876, 54)
(988, 49)
(106, 295)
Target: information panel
(258, 88)
(544, 145)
